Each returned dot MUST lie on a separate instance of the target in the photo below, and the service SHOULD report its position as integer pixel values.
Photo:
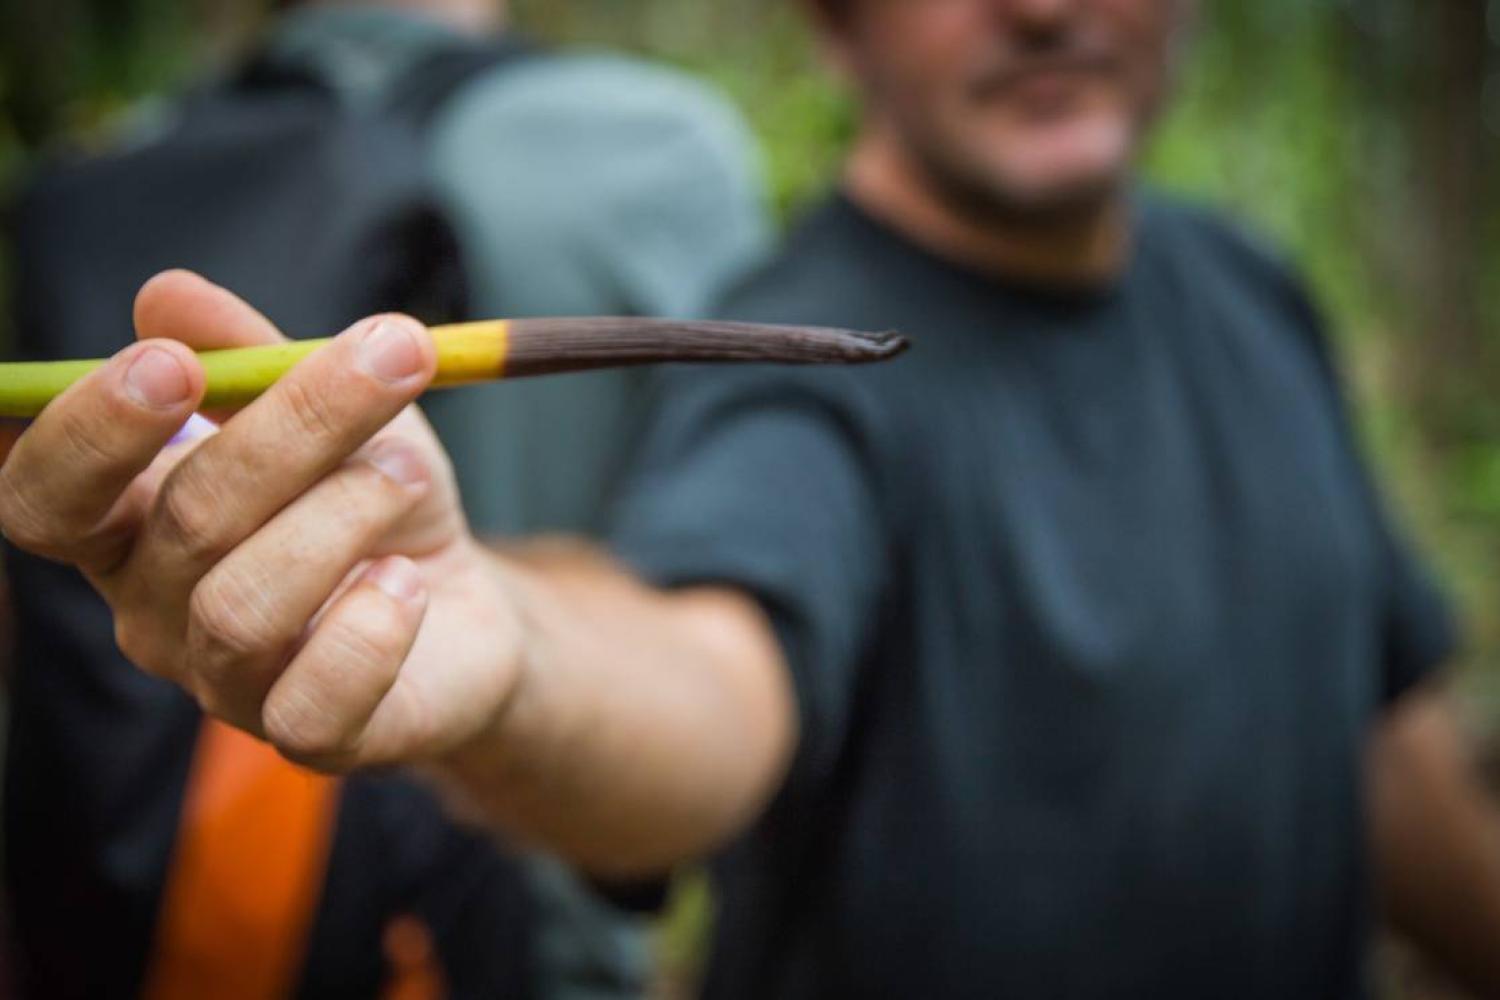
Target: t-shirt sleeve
(1421, 633)
(1419, 630)
(764, 488)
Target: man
(1042, 662)
(107, 848)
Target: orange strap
(412, 958)
(251, 855)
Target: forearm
(645, 727)
(1436, 837)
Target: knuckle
(189, 520)
(80, 442)
(365, 500)
(20, 519)
(303, 728)
(364, 637)
(351, 505)
(309, 412)
(222, 623)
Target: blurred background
(1362, 135)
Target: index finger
(181, 305)
(69, 469)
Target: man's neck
(1083, 249)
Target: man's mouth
(1043, 77)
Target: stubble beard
(984, 197)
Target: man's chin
(1025, 198)
(1054, 172)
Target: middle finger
(253, 608)
(276, 448)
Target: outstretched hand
(306, 572)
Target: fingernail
(399, 579)
(197, 427)
(391, 351)
(399, 464)
(157, 380)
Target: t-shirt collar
(892, 240)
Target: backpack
(317, 213)
(314, 212)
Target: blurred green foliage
(1361, 135)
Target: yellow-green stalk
(478, 352)
(468, 352)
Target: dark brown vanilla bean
(546, 346)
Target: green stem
(235, 376)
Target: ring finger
(248, 614)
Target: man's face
(1030, 108)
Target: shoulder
(1216, 241)
(591, 82)
(624, 174)
(1218, 251)
(587, 102)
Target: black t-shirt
(1088, 603)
